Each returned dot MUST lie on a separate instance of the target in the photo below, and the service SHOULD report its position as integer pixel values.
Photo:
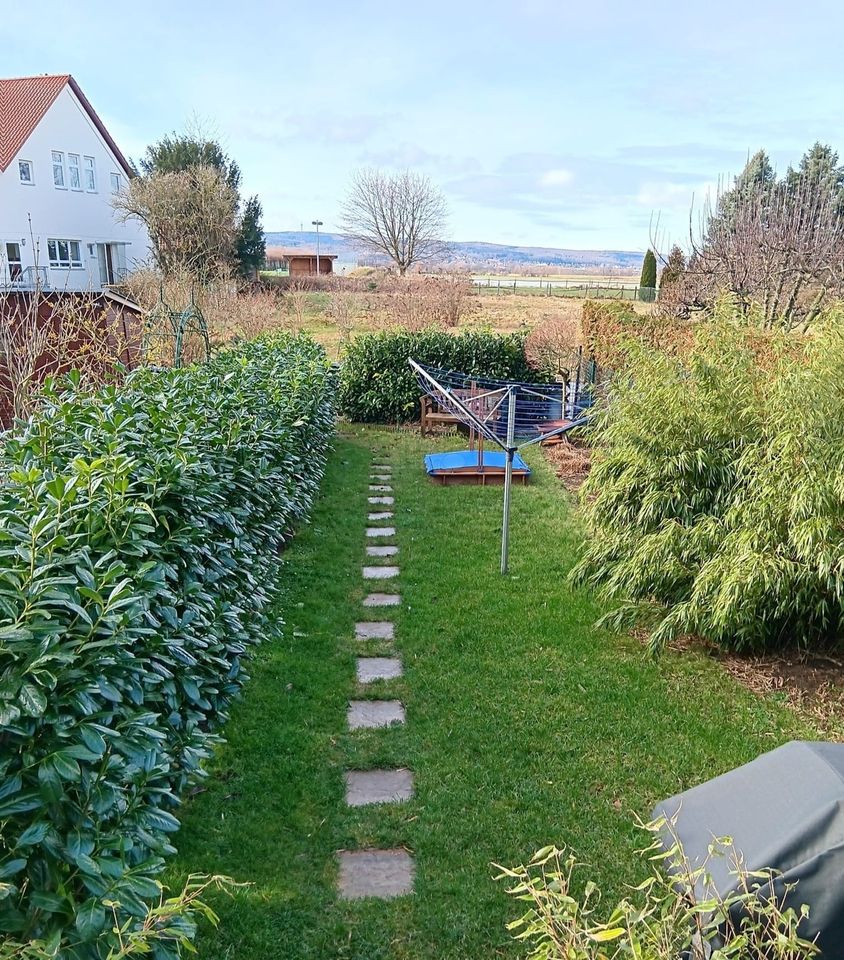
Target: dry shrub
(344, 307)
(609, 327)
(190, 216)
(296, 299)
(551, 346)
(231, 310)
(415, 303)
(45, 335)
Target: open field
(526, 725)
(502, 313)
(563, 276)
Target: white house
(59, 167)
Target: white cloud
(665, 194)
(558, 177)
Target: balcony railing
(27, 279)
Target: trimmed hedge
(378, 386)
(140, 532)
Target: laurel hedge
(378, 386)
(140, 538)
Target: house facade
(59, 168)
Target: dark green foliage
(819, 171)
(140, 530)
(178, 152)
(675, 267)
(715, 501)
(647, 281)
(378, 386)
(250, 248)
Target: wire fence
(580, 289)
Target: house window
(64, 253)
(25, 171)
(73, 171)
(58, 169)
(90, 175)
(115, 182)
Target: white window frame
(60, 163)
(31, 165)
(115, 182)
(69, 262)
(90, 167)
(73, 166)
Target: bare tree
(776, 249)
(401, 216)
(191, 218)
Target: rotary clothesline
(502, 411)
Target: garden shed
(298, 263)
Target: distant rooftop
(283, 253)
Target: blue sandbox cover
(461, 459)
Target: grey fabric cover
(785, 811)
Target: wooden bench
(433, 419)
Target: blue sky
(544, 123)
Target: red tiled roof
(23, 103)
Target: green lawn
(525, 726)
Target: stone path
(390, 872)
(382, 551)
(380, 573)
(380, 531)
(375, 873)
(378, 786)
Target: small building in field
(294, 262)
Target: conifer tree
(674, 267)
(647, 282)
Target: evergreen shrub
(378, 386)
(140, 532)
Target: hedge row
(378, 386)
(140, 531)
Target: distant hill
(476, 255)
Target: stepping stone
(374, 630)
(380, 573)
(386, 501)
(372, 714)
(384, 467)
(386, 477)
(381, 551)
(380, 531)
(383, 515)
(375, 873)
(370, 669)
(382, 600)
(378, 786)
(380, 488)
